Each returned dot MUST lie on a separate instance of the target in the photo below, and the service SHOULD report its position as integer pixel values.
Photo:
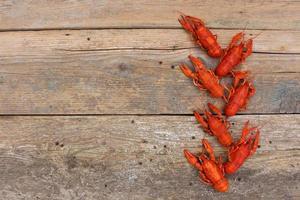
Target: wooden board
(138, 157)
(94, 106)
(123, 72)
(255, 14)
(67, 41)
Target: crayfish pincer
(211, 171)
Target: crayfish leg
(204, 179)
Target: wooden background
(94, 106)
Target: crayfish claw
(215, 109)
(209, 149)
(255, 143)
(198, 65)
(201, 120)
(192, 159)
(187, 72)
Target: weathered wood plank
(132, 82)
(38, 42)
(256, 14)
(138, 157)
(119, 72)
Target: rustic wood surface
(94, 106)
(138, 157)
(256, 14)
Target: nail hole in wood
(132, 121)
(172, 66)
(140, 163)
(270, 142)
(62, 145)
(154, 147)
(88, 39)
(160, 62)
(193, 137)
(105, 185)
(165, 146)
(190, 183)
(67, 34)
(258, 146)
(239, 179)
(56, 143)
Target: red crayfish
(204, 78)
(239, 95)
(234, 54)
(215, 125)
(211, 171)
(240, 151)
(203, 36)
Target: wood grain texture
(45, 14)
(60, 41)
(123, 72)
(138, 157)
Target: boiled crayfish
(211, 171)
(240, 151)
(239, 94)
(202, 35)
(215, 125)
(234, 54)
(204, 78)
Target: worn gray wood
(43, 14)
(122, 84)
(62, 72)
(138, 157)
(66, 41)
